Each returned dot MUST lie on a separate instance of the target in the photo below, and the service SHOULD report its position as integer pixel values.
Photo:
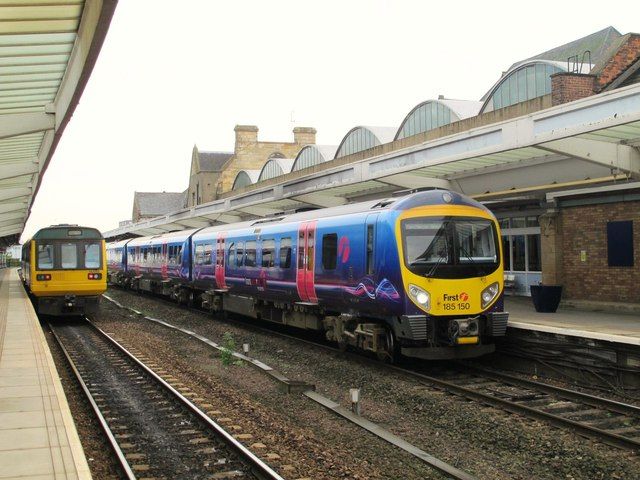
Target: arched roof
(435, 113)
(312, 155)
(275, 167)
(244, 178)
(524, 81)
(362, 138)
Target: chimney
(245, 135)
(567, 87)
(304, 135)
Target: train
(63, 268)
(418, 275)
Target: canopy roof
(47, 53)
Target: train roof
(178, 236)
(67, 231)
(409, 200)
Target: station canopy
(47, 52)
(590, 142)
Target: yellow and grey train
(64, 269)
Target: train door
(219, 269)
(305, 281)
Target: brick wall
(567, 87)
(626, 55)
(585, 228)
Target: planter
(546, 298)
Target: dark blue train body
(420, 274)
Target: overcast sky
(174, 74)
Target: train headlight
(489, 294)
(420, 296)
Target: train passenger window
(240, 255)
(231, 259)
(145, 253)
(369, 266)
(45, 256)
(199, 258)
(92, 255)
(250, 254)
(285, 252)
(178, 254)
(68, 255)
(268, 253)
(207, 254)
(329, 251)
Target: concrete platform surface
(38, 438)
(607, 326)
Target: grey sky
(174, 74)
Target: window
(207, 254)
(285, 252)
(329, 251)
(45, 256)
(506, 251)
(620, 244)
(240, 255)
(250, 254)
(231, 259)
(534, 253)
(92, 255)
(199, 258)
(68, 255)
(268, 253)
(301, 250)
(369, 265)
(310, 251)
(519, 253)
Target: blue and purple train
(419, 275)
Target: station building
(569, 208)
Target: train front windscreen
(450, 247)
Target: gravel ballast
(313, 443)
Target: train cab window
(369, 266)
(285, 252)
(329, 251)
(268, 253)
(250, 254)
(199, 257)
(45, 256)
(68, 255)
(92, 255)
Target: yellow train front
(64, 269)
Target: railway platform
(38, 439)
(597, 325)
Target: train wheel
(389, 352)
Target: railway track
(153, 429)
(611, 422)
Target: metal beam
(13, 193)
(321, 200)
(226, 218)
(11, 223)
(258, 210)
(612, 155)
(23, 123)
(12, 216)
(5, 231)
(409, 180)
(13, 170)
(6, 207)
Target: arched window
(522, 83)
(274, 168)
(312, 155)
(364, 138)
(245, 178)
